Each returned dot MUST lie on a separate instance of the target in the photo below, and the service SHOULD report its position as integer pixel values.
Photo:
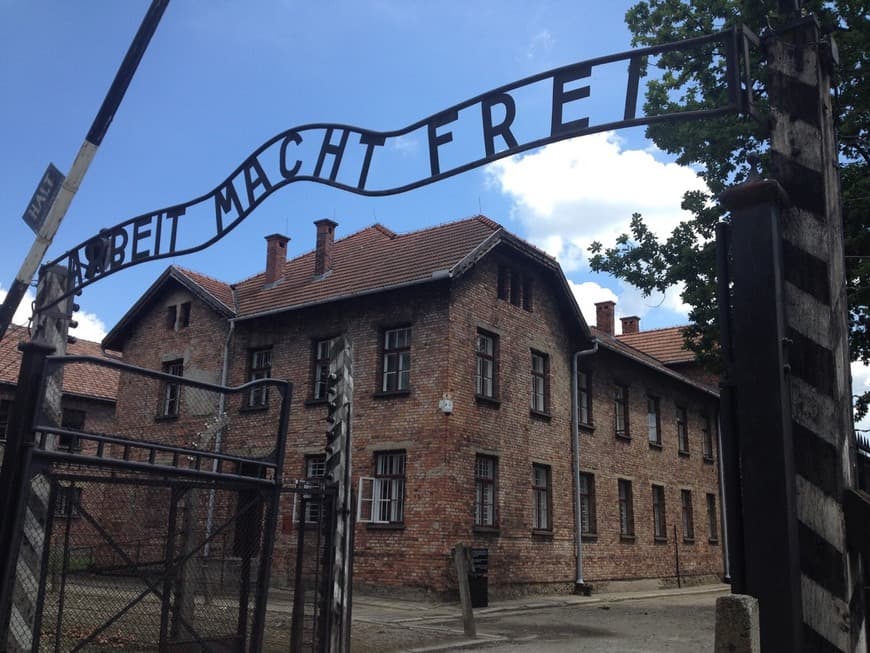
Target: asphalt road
(676, 624)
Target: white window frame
(485, 364)
(396, 360)
(384, 495)
(260, 367)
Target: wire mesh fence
(134, 561)
(152, 528)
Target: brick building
(465, 341)
(89, 391)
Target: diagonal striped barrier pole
(792, 377)
(47, 224)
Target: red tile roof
(618, 345)
(220, 291)
(367, 261)
(666, 344)
(372, 260)
(84, 380)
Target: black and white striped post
(791, 365)
(48, 223)
(338, 473)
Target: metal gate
(154, 532)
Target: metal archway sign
(348, 157)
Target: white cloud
(24, 311)
(861, 384)
(90, 326)
(406, 145)
(629, 301)
(541, 44)
(568, 194)
(587, 294)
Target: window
(172, 390)
(321, 368)
(688, 516)
(67, 501)
(587, 505)
(540, 382)
(707, 437)
(315, 470)
(584, 397)
(178, 316)
(486, 351)
(397, 360)
(260, 363)
(515, 287)
(620, 411)
(184, 315)
(382, 496)
(74, 420)
(504, 282)
(653, 421)
(712, 522)
(541, 498)
(682, 431)
(5, 410)
(626, 509)
(660, 524)
(484, 491)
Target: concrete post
(737, 625)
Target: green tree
(717, 148)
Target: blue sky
(221, 78)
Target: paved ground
(633, 622)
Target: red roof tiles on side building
(93, 381)
(667, 344)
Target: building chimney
(604, 316)
(276, 256)
(323, 248)
(630, 324)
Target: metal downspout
(579, 583)
(218, 439)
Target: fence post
(792, 364)
(461, 555)
(14, 473)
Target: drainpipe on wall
(218, 439)
(580, 586)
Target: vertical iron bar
(169, 554)
(732, 509)
(44, 564)
(264, 572)
(677, 558)
(326, 583)
(351, 522)
(631, 89)
(296, 624)
(244, 571)
(732, 61)
(64, 571)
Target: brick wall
(609, 556)
(440, 448)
